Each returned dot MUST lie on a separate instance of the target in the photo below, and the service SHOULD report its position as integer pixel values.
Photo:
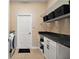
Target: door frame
(21, 13)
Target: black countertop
(59, 38)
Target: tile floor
(35, 54)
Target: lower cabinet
(62, 52)
(53, 50)
(49, 49)
(46, 52)
(46, 48)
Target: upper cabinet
(60, 9)
(54, 4)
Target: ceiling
(28, 0)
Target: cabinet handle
(47, 46)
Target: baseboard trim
(35, 48)
(31, 48)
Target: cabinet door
(49, 49)
(52, 51)
(63, 52)
(46, 52)
(46, 40)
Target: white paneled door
(24, 31)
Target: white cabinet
(49, 49)
(57, 4)
(53, 50)
(54, 5)
(62, 52)
(46, 50)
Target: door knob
(29, 32)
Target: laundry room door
(24, 31)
